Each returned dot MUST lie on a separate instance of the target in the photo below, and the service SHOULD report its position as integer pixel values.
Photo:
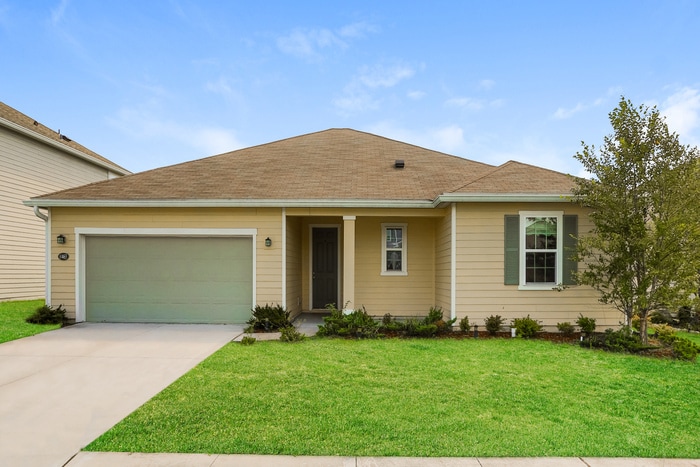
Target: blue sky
(151, 83)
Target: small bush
(291, 334)
(248, 340)
(356, 324)
(685, 316)
(566, 328)
(464, 324)
(587, 325)
(622, 340)
(661, 317)
(46, 314)
(665, 333)
(269, 318)
(387, 319)
(636, 322)
(685, 349)
(526, 327)
(494, 323)
(435, 317)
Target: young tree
(643, 253)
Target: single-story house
(338, 216)
(35, 159)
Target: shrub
(46, 314)
(269, 318)
(685, 316)
(636, 320)
(685, 349)
(494, 323)
(566, 328)
(356, 324)
(526, 327)
(665, 333)
(248, 340)
(464, 324)
(387, 319)
(661, 317)
(587, 325)
(291, 334)
(622, 340)
(435, 317)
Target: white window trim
(559, 251)
(404, 249)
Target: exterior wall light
(268, 242)
(61, 239)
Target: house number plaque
(63, 256)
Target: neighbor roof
(337, 164)
(17, 121)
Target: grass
(12, 320)
(693, 336)
(487, 397)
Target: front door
(324, 267)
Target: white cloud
(382, 76)
(308, 43)
(487, 84)
(416, 95)
(448, 139)
(143, 125)
(682, 112)
(563, 113)
(465, 103)
(59, 12)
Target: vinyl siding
(267, 221)
(29, 168)
(443, 263)
(480, 269)
(409, 295)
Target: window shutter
(570, 232)
(512, 253)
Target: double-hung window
(394, 249)
(538, 249)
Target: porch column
(348, 263)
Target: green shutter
(570, 234)
(512, 250)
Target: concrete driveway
(61, 389)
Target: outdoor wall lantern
(268, 242)
(61, 239)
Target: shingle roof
(338, 164)
(18, 118)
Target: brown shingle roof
(18, 118)
(516, 177)
(338, 164)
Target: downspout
(47, 245)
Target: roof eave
(504, 197)
(62, 147)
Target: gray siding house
(35, 159)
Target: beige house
(34, 158)
(338, 216)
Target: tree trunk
(643, 327)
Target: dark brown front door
(324, 274)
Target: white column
(349, 263)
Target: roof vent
(399, 164)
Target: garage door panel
(169, 279)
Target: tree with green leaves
(643, 253)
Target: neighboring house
(34, 158)
(338, 216)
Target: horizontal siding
(443, 263)
(293, 276)
(410, 295)
(27, 169)
(480, 288)
(266, 221)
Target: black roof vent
(399, 164)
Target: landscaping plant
(46, 314)
(268, 318)
(566, 328)
(526, 327)
(494, 323)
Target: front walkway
(62, 389)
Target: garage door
(168, 279)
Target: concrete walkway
(100, 459)
(61, 389)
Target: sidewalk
(117, 459)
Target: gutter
(307, 203)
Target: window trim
(559, 250)
(404, 249)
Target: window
(394, 249)
(538, 248)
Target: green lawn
(486, 397)
(12, 316)
(693, 336)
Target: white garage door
(168, 279)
